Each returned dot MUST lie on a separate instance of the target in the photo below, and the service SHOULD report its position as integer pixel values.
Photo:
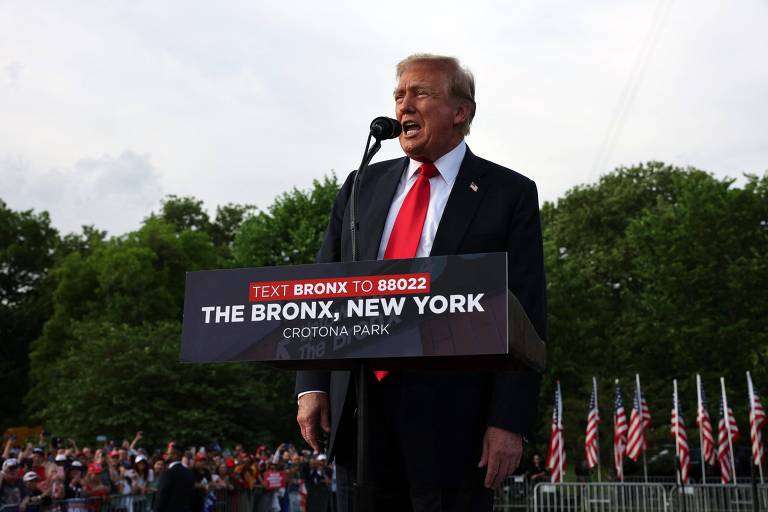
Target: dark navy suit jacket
(447, 413)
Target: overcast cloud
(105, 107)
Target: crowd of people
(284, 479)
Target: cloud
(13, 71)
(241, 101)
(111, 192)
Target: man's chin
(412, 149)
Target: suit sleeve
(330, 251)
(163, 491)
(515, 397)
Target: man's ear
(461, 113)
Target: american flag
(636, 435)
(757, 420)
(681, 440)
(723, 446)
(619, 434)
(556, 456)
(646, 419)
(593, 419)
(705, 425)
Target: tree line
(653, 269)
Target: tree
(649, 271)
(290, 231)
(109, 352)
(28, 246)
(118, 378)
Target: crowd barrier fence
(718, 498)
(599, 497)
(515, 495)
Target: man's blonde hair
(461, 82)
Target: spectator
(55, 482)
(140, 482)
(221, 480)
(36, 498)
(202, 481)
(537, 472)
(12, 489)
(74, 481)
(317, 478)
(113, 471)
(38, 463)
(158, 468)
(273, 481)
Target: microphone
(383, 128)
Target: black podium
(436, 313)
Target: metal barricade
(513, 494)
(718, 498)
(598, 497)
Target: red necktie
(406, 233)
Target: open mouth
(411, 128)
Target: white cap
(30, 475)
(76, 464)
(60, 457)
(140, 458)
(10, 462)
(321, 457)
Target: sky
(106, 107)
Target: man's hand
(502, 450)
(314, 409)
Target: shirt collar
(448, 164)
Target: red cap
(200, 456)
(94, 468)
(114, 453)
(230, 462)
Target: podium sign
(332, 315)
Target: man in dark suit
(442, 441)
(176, 489)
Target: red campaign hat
(200, 456)
(114, 453)
(94, 468)
(230, 462)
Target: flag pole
(642, 425)
(676, 430)
(701, 434)
(727, 416)
(560, 428)
(753, 422)
(597, 433)
(616, 382)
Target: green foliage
(107, 360)
(28, 246)
(118, 379)
(660, 271)
(291, 230)
(655, 270)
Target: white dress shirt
(439, 189)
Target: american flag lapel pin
(473, 186)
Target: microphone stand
(368, 154)
(362, 489)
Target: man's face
(431, 118)
(11, 473)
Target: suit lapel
(378, 189)
(460, 208)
